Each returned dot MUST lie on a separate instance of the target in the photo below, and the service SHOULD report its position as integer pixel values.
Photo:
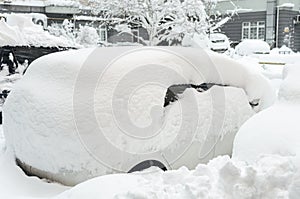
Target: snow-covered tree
(163, 20)
(216, 20)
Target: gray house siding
(233, 28)
(21, 9)
(286, 19)
(297, 37)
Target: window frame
(247, 30)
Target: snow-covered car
(219, 42)
(251, 47)
(93, 112)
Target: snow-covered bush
(65, 30)
(87, 36)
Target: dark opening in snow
(175, 90)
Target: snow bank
(249, 47)
(290, 88)
(275, 131)
(61, 139)
(270, 177)
(23, 32)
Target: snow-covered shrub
(65, 30)
(87, 36)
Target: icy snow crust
(52, 132)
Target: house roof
(33, 3)
(43, 3)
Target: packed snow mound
(283, 50)
(251, 46)
(23, 32)
(111, 99)
(222, 178)
(275, 130)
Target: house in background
(274, 21)
(76, 12)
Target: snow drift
(275, 131)
(81, 114)
(222, 178)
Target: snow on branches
(163, 20)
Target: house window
(253, 30)
(103, 34)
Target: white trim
(246, 26)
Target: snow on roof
(65, 3)
(33, 3)
(19, 30)
(89, 18)
(40, 3)
(287, 5)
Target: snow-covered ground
(271, 176)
